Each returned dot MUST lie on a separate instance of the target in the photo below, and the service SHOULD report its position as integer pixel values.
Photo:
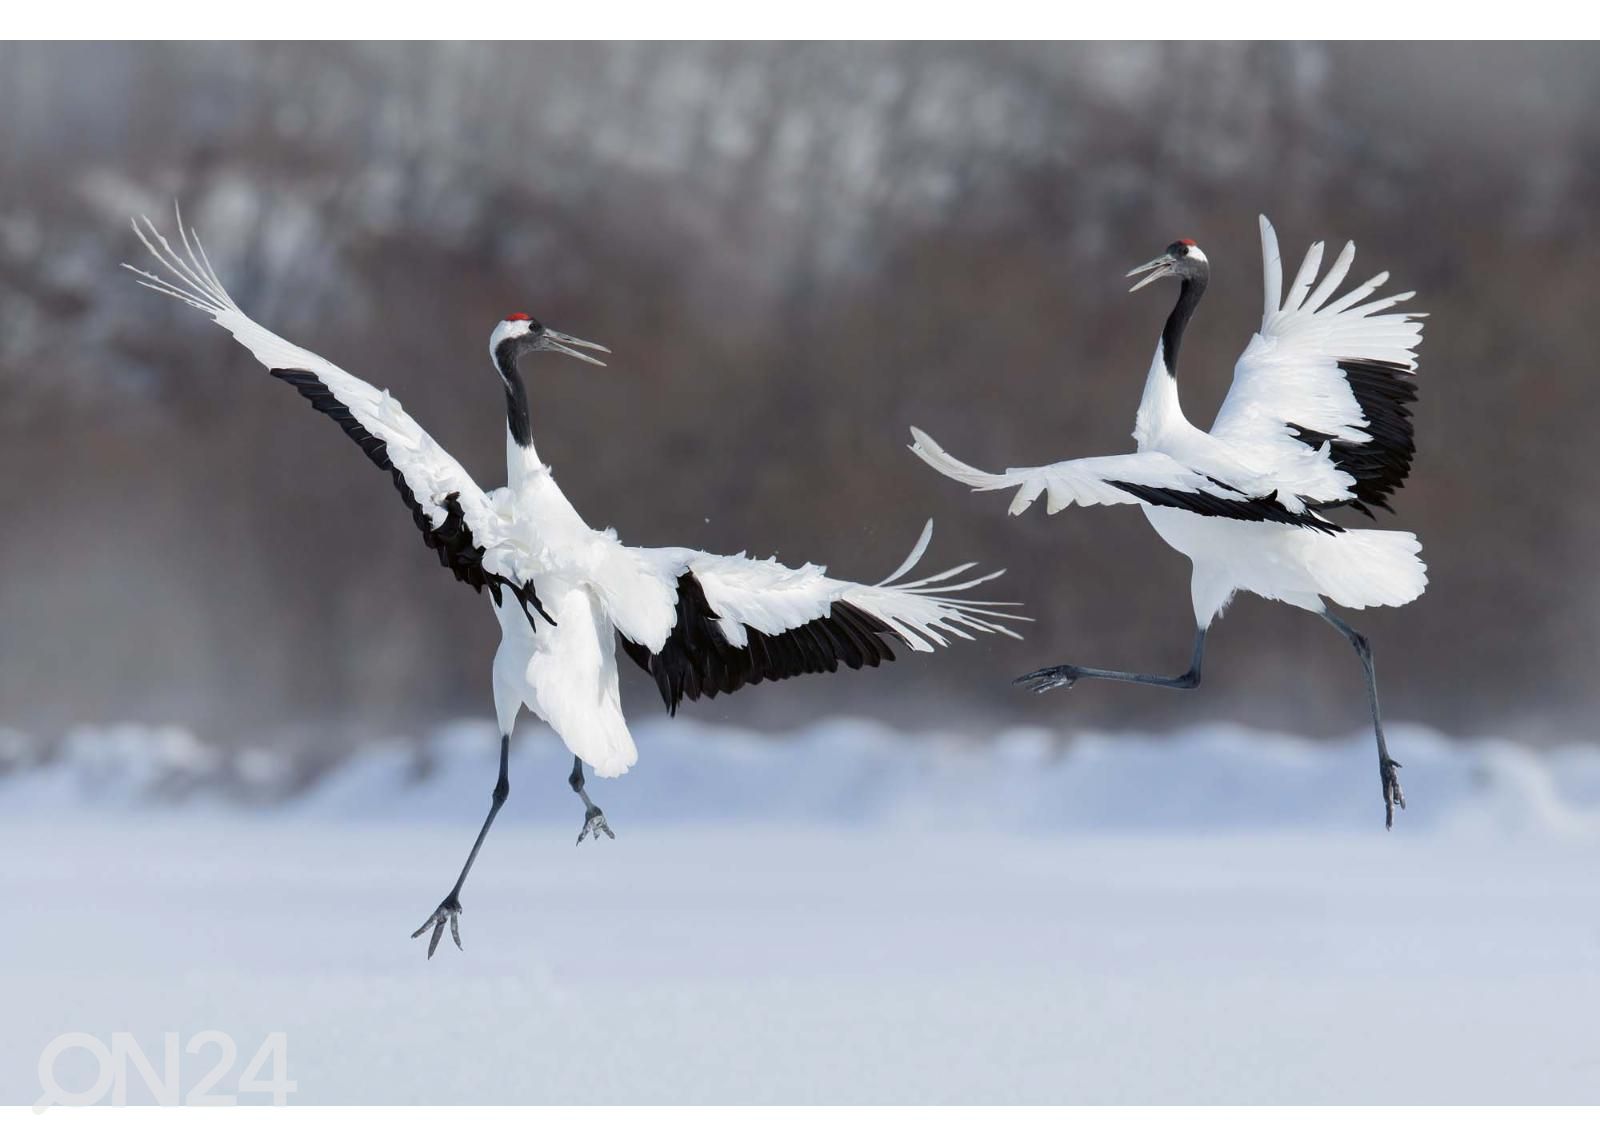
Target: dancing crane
(567, 595)
(1316, 418)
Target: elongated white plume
(924, 610)
(1082, 481)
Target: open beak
(1157, 268)
(567, 344)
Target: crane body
(567, 596)
(1317, 418)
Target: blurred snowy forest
(795, 253)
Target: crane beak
(1157, 268)
(567, 344)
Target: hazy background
(795, 253)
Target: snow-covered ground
(849, 914)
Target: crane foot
(1392, 795)
(593, 824)
(1061, 676)
(449, 911)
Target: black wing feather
(1381, 465)
(451, 539)
(1211, 505)
(698, 662)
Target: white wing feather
(1289, 380)
(430, 473)
(773, 598)
(1289, 374)
(1083, 481)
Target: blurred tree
(795, 251)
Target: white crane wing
(738, 621)
(1148, 477)
(1320, 394)
(456, 517)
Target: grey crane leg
(594, 820)
(1066, 675)
(1392, 795)
(450, 909)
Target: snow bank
(848, 772)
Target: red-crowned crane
(1316, 418)
(566, 595)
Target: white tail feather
(1367, 568)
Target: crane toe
(449, 912)
(1393, 796)
(594, 822)
(1043, 680)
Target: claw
(449, 911)
(1043, 680)
(1393, 796)
(593, 823)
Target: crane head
(1183, 259)
(519, 334)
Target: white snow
(848, 914)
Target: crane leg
(594, 819)
(1066, 675)
(450, 909)
(1392, 795)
